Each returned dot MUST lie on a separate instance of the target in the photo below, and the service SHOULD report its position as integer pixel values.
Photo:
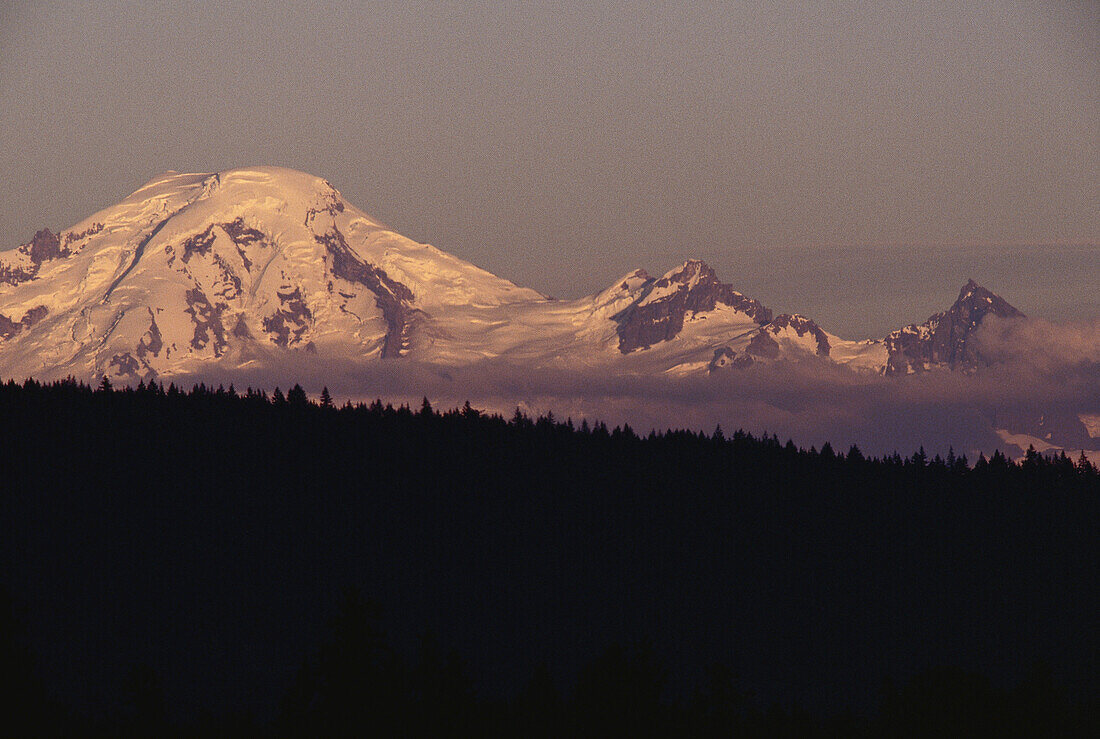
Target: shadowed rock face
(9, 328)
(330, 203)
(287, 325)
(944, 339)
(207, 318)
(125, 364)
(240, 330)
(150, 343)
(243, 237)
(727, 357)
(763, 345)
(240, 234)
(44, 247)
(391, 296)
(723, 357)
(694, 288)
(198, 244)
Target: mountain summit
(944, 339)
(252, 266)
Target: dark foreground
(209, 562)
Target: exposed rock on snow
(251, 265)
(944, 339)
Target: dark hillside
(174, 555)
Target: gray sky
(853, 161)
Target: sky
(856, 162)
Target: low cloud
(1038, 345)
(1041, 376)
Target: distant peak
(976, 299)
(278, 177)
(690, 271)
(972, 288)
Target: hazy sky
(854, 161)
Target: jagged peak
(972, 288)
(801, 325)
(944, 337)
(792, 318)
(691, 271)
(975, 298)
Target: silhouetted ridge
(178, 558)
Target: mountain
(247, 267)
(944, 339)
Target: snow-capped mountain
(244, 267)
(944, 339)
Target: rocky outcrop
(727, 357)
(392, 297)
(944, 339)
(200, 244)
(207, 318)
(44, 247)
(330, 203)
(124, 365)
(658, 313)
(288, 324)
(241, 235)
(10, 328)
(764, 343)
(72, 237)
(245, 237)
(150, 344)
(802, 326)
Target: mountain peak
(690, 272)
(690, 289)
(945, 337)
(216, 266)
(972, 288)
(977, 302)
(246, 266)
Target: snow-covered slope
(226, 267)
(249, 266)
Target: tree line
(171, 554)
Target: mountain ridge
(243, 266)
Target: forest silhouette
(219, 562)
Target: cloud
(1041, 376)
(1038, 344)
